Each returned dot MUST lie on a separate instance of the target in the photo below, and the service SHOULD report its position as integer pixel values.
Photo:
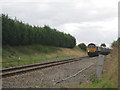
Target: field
(30, 54)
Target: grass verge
(23, 55)
(109, 78)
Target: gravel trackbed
(47, 78)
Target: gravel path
(49, 76)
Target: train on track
(94, 50)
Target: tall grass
(30, 54)
(111, 68)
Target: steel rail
(6, 72)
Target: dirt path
(49, 76)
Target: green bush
(116, 43)
(82, 46)
(103, 44)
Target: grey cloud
(93, 35)
(56, 13)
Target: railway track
(7, 72)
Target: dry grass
(111, 68)
(37, 53)
(76, 53)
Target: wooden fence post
(100, 65)
(18, 61)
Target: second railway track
(6, 72)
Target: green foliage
(82, 46)
(116, 43)
(103, 44)
(17, 33)
(102, 83)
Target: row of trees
(15, 32)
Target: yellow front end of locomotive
(91, 49)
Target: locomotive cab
(92, 50)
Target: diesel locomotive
(94, 50)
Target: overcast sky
(87, 20)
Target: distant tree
(82, 46)
(103, 44)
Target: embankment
(30, 54)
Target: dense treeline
(15, 32)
